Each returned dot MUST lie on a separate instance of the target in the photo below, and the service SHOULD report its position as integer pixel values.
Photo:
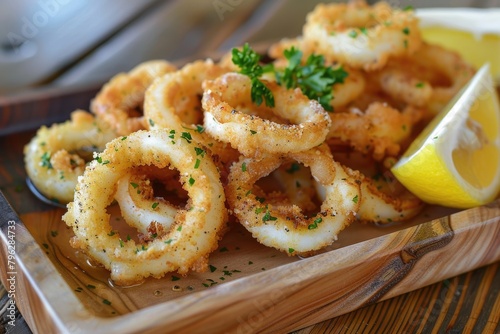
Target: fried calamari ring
(57, 155)
(286, 228)
(360, 35)
(446, 63)
(225, 97)
(174, 100)
(379, 130)
(138, 204)
(402, 86)
(395, 204)
(197, 227)
(298, 184)
(119, 102)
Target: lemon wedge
(472, 32)
(455, 161)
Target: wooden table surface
(468, 303)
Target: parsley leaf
(314, 78)
(248, 62)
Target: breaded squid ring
(119, 102)
(395, 205)
(360, 35)
(287, 228)
(174, 100)
(191, 238)
(379, 130)
(135, 196)
(447, 63)
(57, 155)
(225, 98)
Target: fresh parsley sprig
(248, 62)
(314, 78)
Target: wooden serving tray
(250, 288)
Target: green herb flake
(267, 217)
(364, 31)
(253, 132)
(90, 286)
(46, 160)
(200, 129)
(187, 137)
(151, 122)
(54, 233)
(291, 250)
(169, 241)
(244, 167)
(121, 243)
(197, 164)
(293, 168)
(191, 181)
(200, 151)
(355, 199)
(179, 228)
(155, 205)
(353, 34)
(212, 268)
(406, 30)
(124, 137)
(420, 85)
(134, 185)
(107, 302)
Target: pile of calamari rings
(185, 152)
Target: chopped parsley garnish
(197, 164)
(103, 162)
(186, 136)
(155, 205)
(199, 151)
(191, 181)
(315, 223)
(293, 168)
(355, 199)
(267, 217)
(46, 160)
(244, 167)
